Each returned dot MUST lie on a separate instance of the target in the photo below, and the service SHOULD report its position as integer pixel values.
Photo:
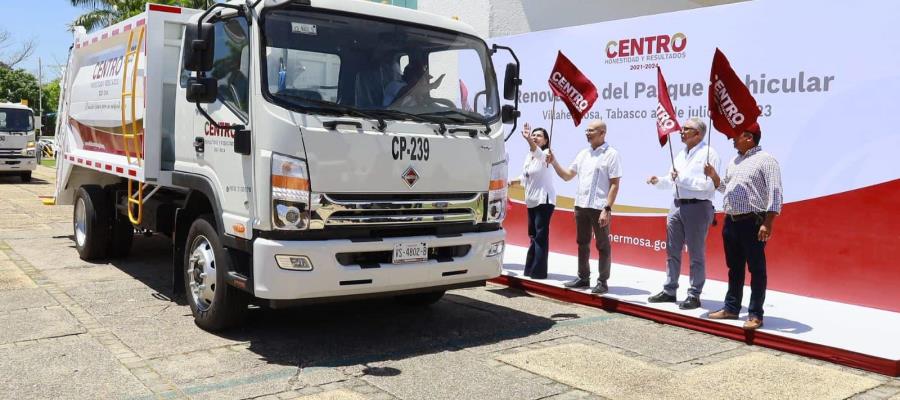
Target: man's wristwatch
(607, 209)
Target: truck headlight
(497, 193)
(290, 193)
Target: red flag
(464, 95)
(575, 89)
(666, 122)
(732, 107)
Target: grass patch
(48, 162)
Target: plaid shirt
(752, 183)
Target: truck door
(232, 172)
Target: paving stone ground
(70, 329)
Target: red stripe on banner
(168, 9)
(94, 40)
(126, 28)
(831, 354)
(108, 167)
(115, 31)
(119, 170)
(132, 172)
(89, 163)
(81, 161)
(140, 22)
(807, 255)
(104, 35)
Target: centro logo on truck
(648, 48)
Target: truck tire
(26, 177)
(121, 236)
(215, 304)
(420, 299)
(91, 223)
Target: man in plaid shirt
(753, 197)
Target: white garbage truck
(294, 151)
(17, 150)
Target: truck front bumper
(16, 164)
(329, 278)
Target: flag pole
(672, 156)
(709, 128)
(552, 118)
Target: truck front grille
(336, 210)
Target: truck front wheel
(91, 223)
(215, 304)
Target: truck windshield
(314, 60)
(15, 120)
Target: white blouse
(537, 177)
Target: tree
(12, 59)
(103, 13)
(18, 84)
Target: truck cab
(295, 151)
(17, 149)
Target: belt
(688, 201)
(741, 217)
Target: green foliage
(18, 84)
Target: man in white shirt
(598, 169)
(689, 215)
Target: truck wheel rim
(202, 273)
(80, 223)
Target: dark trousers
(539, 232)
(587, 222)
(742, 247)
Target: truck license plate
(410, 252)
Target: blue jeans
(743, 247)
(539, 232)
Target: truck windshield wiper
(459, 116)
(403, 115)
(456, 115)
(335, 108)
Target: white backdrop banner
(825, 75)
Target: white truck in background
(17, 150)
(294, 151)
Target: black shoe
(539, 277)
(599, 289)
(577, 283)
(690, 303)
(662, 297)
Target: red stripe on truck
(119, 170)
(168, 9)
(132, 172)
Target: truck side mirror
(202, 90)
(511, 81)
(509, 114)
(198, 47)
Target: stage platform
(855, 336)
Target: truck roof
(363, 7)
(396, 13)
(14, 105)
